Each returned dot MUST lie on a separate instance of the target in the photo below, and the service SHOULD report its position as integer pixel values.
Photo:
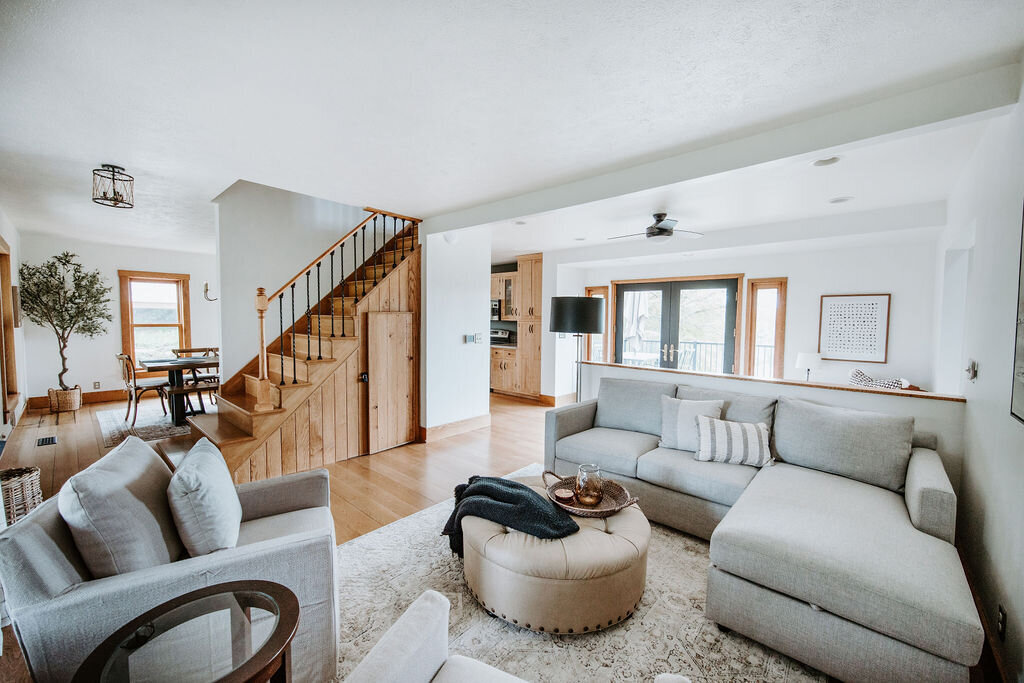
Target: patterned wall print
(854, 327)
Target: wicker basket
(21, 491)
(63, 401)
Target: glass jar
(589, 485)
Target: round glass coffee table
(235, 631)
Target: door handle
(664, 351)
(672, 353)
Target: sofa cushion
(737, 443)
(303, 521)
(631, 404)
(118, 513)
(679, 421)
(851, 549)
(736, 407)
(615, 450)
(204, 502)
(459, 669)
(718, 482)
(870, 447)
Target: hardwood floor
(366, 492)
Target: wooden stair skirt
(329, 387)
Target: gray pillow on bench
(870, 447)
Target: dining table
(175, 369)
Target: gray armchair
(60, 613)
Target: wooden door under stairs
(391, 378)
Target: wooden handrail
(321, 257)
(382, 212)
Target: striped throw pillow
(737, 443)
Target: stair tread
(174, 448)
(275, 379)
(218, 429)
(246, 402)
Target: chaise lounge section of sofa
(840, 554)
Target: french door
(680, 325)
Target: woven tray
(615, 498)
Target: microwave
(495, 309)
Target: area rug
(381, 573)
(151, 425)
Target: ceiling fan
(662, 228)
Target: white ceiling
(912, 169)
(425, 107)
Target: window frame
(590, 292)
(667, 283)
(750, 329)
(184, 324)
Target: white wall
(905, 269)
(456, 294)
(13, 239)
(264, 237)
(985, 216)
(94, 360)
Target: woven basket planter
(21, 491)
(63, 401)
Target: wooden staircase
(300, 404)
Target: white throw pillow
(738, 443)
(204, 501)
(117, 511)
(679, 421)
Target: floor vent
(46, 441)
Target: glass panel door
(642, 325)
(683, 325)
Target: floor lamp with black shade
(578, 315)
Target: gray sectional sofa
(839, 554)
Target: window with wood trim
(154, 314)
(685, 323)
(766, 327)
(597, 344)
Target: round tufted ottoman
(581, 583)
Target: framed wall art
(854, 327)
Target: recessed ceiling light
(826, 162)
(580, 239)
(520, 222)
(839, 200)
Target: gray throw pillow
(204, 501)
(679, 421)
(117, 511)
(870, 447)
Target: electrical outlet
(1001, 623)
(95, 385)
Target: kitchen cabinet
(531, 280)
(497, 282)
(528, 357)
(510, 297)
(504, 371)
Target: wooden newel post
(263, 401)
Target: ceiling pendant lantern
(111, 186)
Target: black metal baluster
(294, 374)
(403, 238)
(341, 258)
(394, 247)
(375, 248)
(319, 316)
(332, 296)
(364, 261)
(309, 319)
(280, 310)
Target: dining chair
(137, 387)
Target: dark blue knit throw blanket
(508, 503)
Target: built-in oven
(495, 309)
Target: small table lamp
(807, 361)
(578, 315)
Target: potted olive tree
(60, 294)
